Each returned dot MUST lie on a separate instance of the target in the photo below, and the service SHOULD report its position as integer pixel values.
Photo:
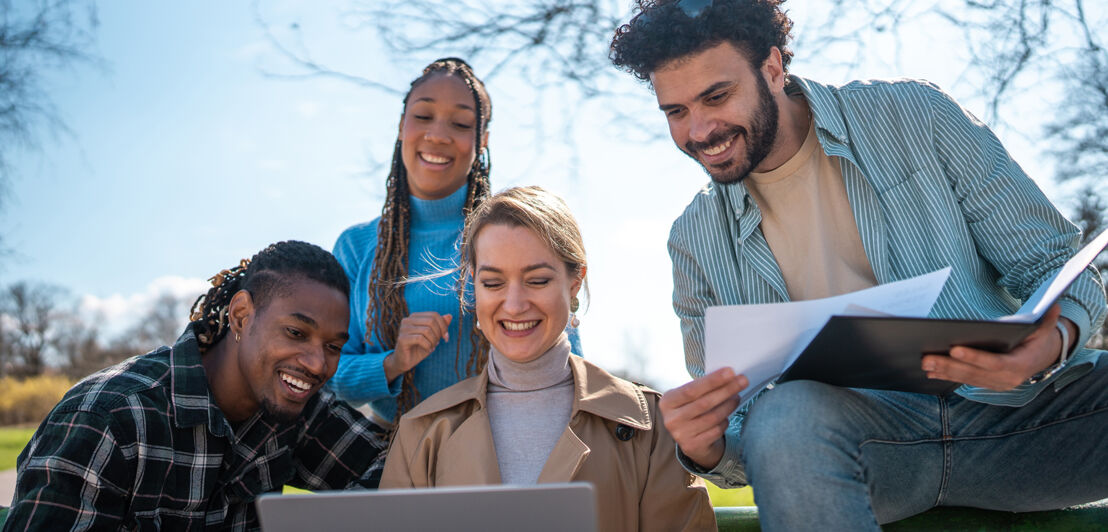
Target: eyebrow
(526, 269)
(307, 320)
(703, 94)
(459, 106)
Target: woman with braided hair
(401, 347)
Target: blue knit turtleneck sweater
(436, 226)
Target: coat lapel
(565, 459)
(468, 455)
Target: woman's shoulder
(357, 240)
(452, 398)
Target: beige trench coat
(446, 441)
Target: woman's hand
(419, 334)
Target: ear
(240, 311)
(773, 69)
(576, 286)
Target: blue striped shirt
(930, 187)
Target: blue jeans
(821, 457)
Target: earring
(574, 304)
(477, 324)
(237, 337)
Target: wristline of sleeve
(360, 378)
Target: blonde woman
(537, 414)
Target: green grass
(12, 442)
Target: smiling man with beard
(186, 437)
(819, 190)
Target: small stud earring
(477, 324)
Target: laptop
(539, 508)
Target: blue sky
(186, 157)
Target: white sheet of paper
(761, 341)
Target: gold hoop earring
(237, 337)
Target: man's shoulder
(116, 386)
(869, 94)
(705, 201)
(875, 87)
(706, 209)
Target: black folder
(883, 352)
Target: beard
(276, 415)
(758, 139)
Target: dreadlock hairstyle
(268, 273)
(533, 208)
(390, 263)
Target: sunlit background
(193, 141)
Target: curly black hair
(663, 30)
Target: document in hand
(872, 338)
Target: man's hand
(696, 414)
(419, 334)
(1003, 371)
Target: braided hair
(268, 273)
(387, 306)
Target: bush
(30, 399)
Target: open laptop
(539, 508)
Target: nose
(314, 360)
(515, 300)
(436, 132)
(701, 126)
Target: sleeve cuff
(1073, 311)
(360, 378)
(728, 473)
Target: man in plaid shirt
(187, 437)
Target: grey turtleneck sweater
(529, 405)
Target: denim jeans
(823, 457)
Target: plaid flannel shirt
(142, 446)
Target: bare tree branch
(36, 36)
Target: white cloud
(118, 312)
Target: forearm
(362, 377)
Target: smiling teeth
(435, 159)
(716, 150)
(520, 326)
(295, 383)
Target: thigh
(1050, 453)
(829, 442)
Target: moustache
(714, 139)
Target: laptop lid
(539, 508)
